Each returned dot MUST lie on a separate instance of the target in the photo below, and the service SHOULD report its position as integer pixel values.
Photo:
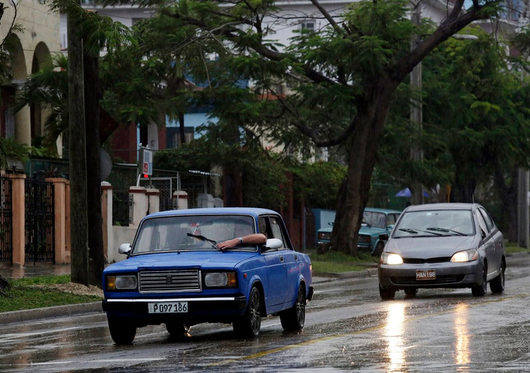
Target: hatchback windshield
(186, 233)
(435, 223)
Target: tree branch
(12, 22)
(328, 16)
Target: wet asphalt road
(347, 328)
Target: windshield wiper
(202, 238)
(438, 229)
(415, 231)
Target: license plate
(429, 274)
(168, 307)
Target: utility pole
(77, 153)
(416, 110)
(522, 208)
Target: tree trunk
(77, 155)
(464, 186)
(95, 220)
(508, 197)
(182, 134)
(4, 285)
(362, 149)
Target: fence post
(153, 197)
(59, 208)
(139, 205)
(106, 212)
(18, 206)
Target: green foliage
(10, 149)
(318, 183)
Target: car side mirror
(125, 248)
(273, 243)
(390, 227)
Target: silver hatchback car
(443, 245)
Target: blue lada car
(192, 266)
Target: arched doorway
(14, 124)
(38, 115)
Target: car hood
(430, 247)
(371, 230)
(184, 259)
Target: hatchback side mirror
(125, 248)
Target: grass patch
(23, 296)
(337, 262)
(512, 247)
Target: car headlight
(464, 256)
(364, 239)
(324, 235)
(391, 259)
(122, 282)
(220, 279)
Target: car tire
(497, 284)
(177, 330)
(387, 293)
(479, 290)
(121, 331)
(411, 292)
(379, 249)
(293, 319)
(249, 324)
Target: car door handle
(281, 259)
(296, 257)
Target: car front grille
(169, 281)
(430, 260)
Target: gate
(6, 221)
(40, 240)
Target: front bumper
(448, 275)
(206, 309)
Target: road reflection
(393, 335)
(462, 354)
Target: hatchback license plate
(429, 274)
(168, 307)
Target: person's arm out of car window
(248, 240)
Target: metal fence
(40, 218)
(6, 221)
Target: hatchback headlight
(122, 282)
(391, 259)
(464, 256)
(220, 279)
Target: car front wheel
(121, 331)
(387, 293)
(479, 290)
(293, 319)
(497, 284)
(249, 324)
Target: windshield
(435, 223)
(374, 219)
(190, 233)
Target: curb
(49, 312)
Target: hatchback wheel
(249, 324)
(497, 284)
(387, 293)
(479, 290)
